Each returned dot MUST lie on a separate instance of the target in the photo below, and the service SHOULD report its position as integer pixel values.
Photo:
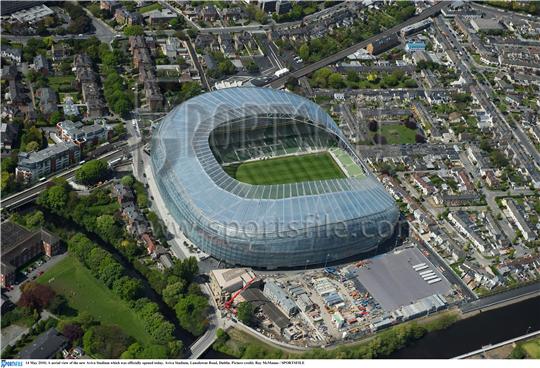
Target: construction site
(322, 306)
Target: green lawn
(284, 170)
(398, 134)
(532, 348)
(148, 8)
(61, 83)
(84, 293)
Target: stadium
(265, 178)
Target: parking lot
(393, 282)
(33, 270)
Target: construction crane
(229, 302)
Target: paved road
(515, 16)
(204, 342)
(194, 57)
(24, 39)
(104, 32)
(12, 334)
(277, 83)
(490, 301)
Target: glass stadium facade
(267, 226)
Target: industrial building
(20, 245)
(420, 308)
(225, 282)
(383, 44)
(277, 320)
(32, 14)
(277, 295)
(486, 25)
(250, 225)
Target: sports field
(285, 170)
(84, 293)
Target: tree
(192, 311)
(33, 134)
(189, 90)
(122, 106)
(419, 138)
(9, 164)
(110, 271)
(373, 77)
(244, 312)
(353, 76)
(335, 80)
(291, 83)
(303, 51)
(8, 182)
(36, 296)
(58, 304)
(86, 320)
(107, 228)
(80, 246)
(518, 353)
(252, 67)
(173, 292)
(127, 288)
(106, 341)
(411, 124)
(91, 172)
(373, 125)
(379, 139)
(137, 351)
(410, 83)
(35, 220)
(320, 77)
(185, 269)
(127, 181)
(54, 198)
(80, 24)
(498, 158)
(134, 30)
(55, 117)
(95, 258)
(32, 146)
(72, 331)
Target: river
(472, 333)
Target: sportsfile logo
(11, 363)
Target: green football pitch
(284, 170)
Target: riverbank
(460, 334)
(241, 344)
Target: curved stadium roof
(187, 170)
